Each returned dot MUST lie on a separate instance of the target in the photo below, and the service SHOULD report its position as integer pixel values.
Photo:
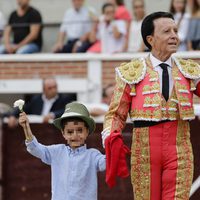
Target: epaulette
(132, 72)
(188, 68)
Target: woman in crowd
(194, 25)
(136, 43)
(178, 9)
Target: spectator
(76, 26)
(4, 108)
(2, 24)
(194, 26)
(25, 26)
(136, 43)
(100, 109)
(178, 9)
(121, 13)
(50, 104)
(107, 94)
(111, 32)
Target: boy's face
(109, 13)
(75, 133)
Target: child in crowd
(74, 167)
(111, 32)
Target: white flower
(19, 103)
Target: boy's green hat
(76, 110)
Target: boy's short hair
(105, 6)
(72, 119)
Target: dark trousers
(68, 47)
(84, 47)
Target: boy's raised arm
(23, 121)
(33, 146)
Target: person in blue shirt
(73, 167)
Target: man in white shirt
(157, 93)
(76, 26)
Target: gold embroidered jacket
(137, 93)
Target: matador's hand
(104, 134)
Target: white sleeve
(121, 26)
(196, 81)
(64, 25)
(45, 153)
(2, 22)
(196, 109)
(100, 160)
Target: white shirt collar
(79, 10)
(156, 62)
(49, 100)
(77, 150)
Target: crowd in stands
(116, 30)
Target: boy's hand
(23, 119)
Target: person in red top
(121, 12)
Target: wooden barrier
(26, 177)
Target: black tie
(165, 81)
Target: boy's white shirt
(108, 43)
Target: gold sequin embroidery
(185, 161)
(140, 163)
(132, 72)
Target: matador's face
(165, 36)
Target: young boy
(73, 167)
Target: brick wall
(75, 69)
(109, 71)
(27, 70)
